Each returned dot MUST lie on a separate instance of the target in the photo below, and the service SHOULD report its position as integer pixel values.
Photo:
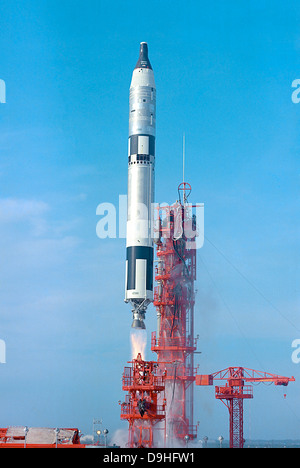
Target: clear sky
(223, 73)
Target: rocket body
(141, 161)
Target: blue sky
(223, 73)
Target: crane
(234, 392)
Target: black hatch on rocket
(143, 61)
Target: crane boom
(249, 375)
(235, 391)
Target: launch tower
(174, 299)
(145, 384)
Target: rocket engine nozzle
(138, 320)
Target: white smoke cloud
(138, 339)
(120, 438)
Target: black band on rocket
(139, 253)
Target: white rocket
(141, 159)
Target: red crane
(235, 391)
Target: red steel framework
(174, 300)
(15, 437)
(145, 383)
(235, 392)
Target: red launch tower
(174, 300)
(144, 382)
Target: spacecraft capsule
(141, 160)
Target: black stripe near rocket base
(139, 253)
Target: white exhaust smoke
(138, 339)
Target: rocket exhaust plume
(138, 339)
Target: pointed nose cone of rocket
(143, 61)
